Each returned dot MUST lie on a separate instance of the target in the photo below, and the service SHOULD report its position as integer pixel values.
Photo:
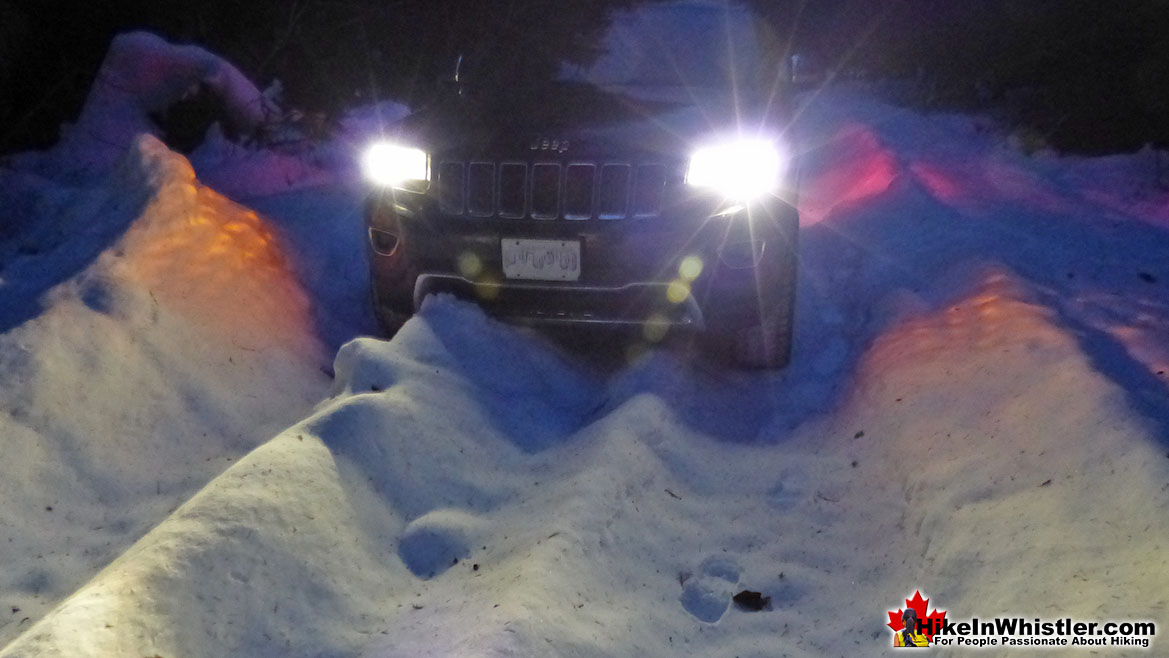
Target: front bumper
(534, 303)
(632, 269)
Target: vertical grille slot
(450, 187)
(513, 185)
(481, 189)
(613, 191)
(578, 191)
(550, 190)
(545, 190)
(647, 194)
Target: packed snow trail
(433, 508)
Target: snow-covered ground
(977, 408)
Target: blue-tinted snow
(976, 409)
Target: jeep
(650, 187)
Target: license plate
(541, 260)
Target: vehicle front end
(585, 205)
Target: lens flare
(470, 265)
(655, 328)
(690, 267)
(677, 291)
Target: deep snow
(977, 409)
(153, 333)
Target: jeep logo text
(546, 144)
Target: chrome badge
(546, 144)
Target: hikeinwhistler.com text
(1019, 632)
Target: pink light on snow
(852, 167)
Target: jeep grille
(550, 190)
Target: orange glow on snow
(996, 318)
(1146, 347)
(1141, 335)
(217, 263)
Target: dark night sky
(1062, 66)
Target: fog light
(384, 243)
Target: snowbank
(143, 74)
(976, 409)
(463, 494)
(153, 333)
(141, 77)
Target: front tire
(389, 321)
(768, 345)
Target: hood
(582, 120)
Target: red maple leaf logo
(930, 623)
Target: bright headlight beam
(390, 164)
(742, 170)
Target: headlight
(742, 170)
(390, 164)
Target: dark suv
(650, 188)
